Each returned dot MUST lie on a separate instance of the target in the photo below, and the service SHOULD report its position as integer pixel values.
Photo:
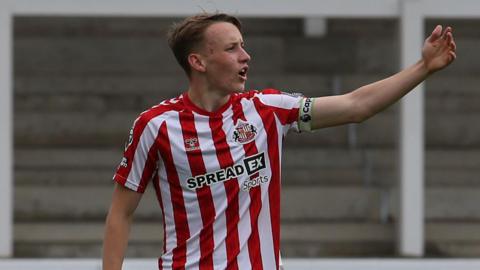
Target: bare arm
(359, 105)
(117, 227)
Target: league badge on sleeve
(244, 132)
(130, 139)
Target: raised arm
(117, 227)
(437, 53)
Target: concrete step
(78, 86)
(298, 239)
(441, 131)
(311, 84)
(365, 27)
(125, 56)
(31, 26)
(64, 176)
(308, 203)
(142, 26)
(62, 26)
(141, 100)
(348, 54)
(120, 56)
(328, 176)
(101, 129)
(353, 176)
(94, 56)
(74, 129)
(72, 158)
(444, 94)
(327, 167)
(324, 158)
(389, 27)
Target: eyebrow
(236, 42)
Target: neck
(207, 99)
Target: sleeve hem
(128, 183)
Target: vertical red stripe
(269, 124)
(204, 195)
(138, 129)
(179, 212)
(255, 199)
(156, 184)
(150, 167)
(231, 188)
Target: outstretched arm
(437, 53)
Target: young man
(213, 153)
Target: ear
(197, 62)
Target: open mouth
(243, 73)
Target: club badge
(191, 144)
(244, 132)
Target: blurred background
(80, 81)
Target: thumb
(436, 33)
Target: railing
(289, 264)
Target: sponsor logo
(191, 144)
(244, 132)
(257, 181)
(249, 165)
(124, 162)
(130, 139)
(254, 163)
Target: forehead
(222, 33)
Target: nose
(245, 57)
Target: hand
(439, 49)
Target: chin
(240, 88)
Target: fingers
(448, 30)
(450, 42)
(453, 46)
(452, 55)
(436, 33)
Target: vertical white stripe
(145, 142)
(170, 234)
(219, 196)
(244, 228)
(264, 222)
(192, 208)
(265, 231)
(280, 128)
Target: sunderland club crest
(244, 132)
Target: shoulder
(268, 92)
(272, 97)
(161, 111)
(264, 93)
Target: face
(224, 58)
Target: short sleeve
(286, 107)
(139, 161)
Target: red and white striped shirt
(216, 176)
